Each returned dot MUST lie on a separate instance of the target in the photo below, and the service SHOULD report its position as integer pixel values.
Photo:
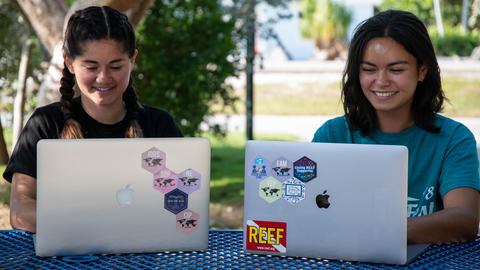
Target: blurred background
(230, 70)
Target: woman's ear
(68, 63)
(422, 72)
(132, 60)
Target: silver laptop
(325, 200)
(109, 196)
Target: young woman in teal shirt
(391, 95)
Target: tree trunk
(464, 15)
(18, 106)
(438, 18)
(475, 11)
(48, 19)
(48, 91)
(3, 147)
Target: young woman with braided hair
(99, 55)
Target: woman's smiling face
(389, 76)
(102, 72)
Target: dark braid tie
(67, 115)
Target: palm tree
(326, 23)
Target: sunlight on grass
(463, 97)
(227, 165)
(4, 188)
(318, 98)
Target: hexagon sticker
(293, 190)
(304, 169)
(176, 201)
(270, 189)
(282, 169)
(187, 221)
(153, 160)
(189, 181)
(165, 180)
(259, 168)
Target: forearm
(445, 226)
(23, 203)
(23, 216)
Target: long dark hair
(409, 31)
(90, 24)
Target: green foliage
(451, 10)
(325, 21)
(186, 52)
(13, 26)
(455, 42)
(422, 8)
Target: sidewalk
(304, 126)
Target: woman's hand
(457, 222)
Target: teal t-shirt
(437, 162)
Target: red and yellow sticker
(266, 236)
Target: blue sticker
(259, 168)
(282, 169)
(304, 169)
(176, 201)
(293, 190)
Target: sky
(288, 30)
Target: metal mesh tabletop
(225, 251)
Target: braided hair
(90, 24)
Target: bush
(455, 42)
(186, 53)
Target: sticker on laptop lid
(282, 169)
(176, 201)
(153, 160)
(293, 190)
(270, 189)
(259, 168)
(187, 221)
(304, 169)
(189, 181)
(267, 236)
(165, 180)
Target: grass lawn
(4, 188)
(227, 166)
(463, 97)
(318, 98)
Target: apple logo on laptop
(125, 196)
(322, 200)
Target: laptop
(111, 196)
(326, 200)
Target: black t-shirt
(47, 123)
